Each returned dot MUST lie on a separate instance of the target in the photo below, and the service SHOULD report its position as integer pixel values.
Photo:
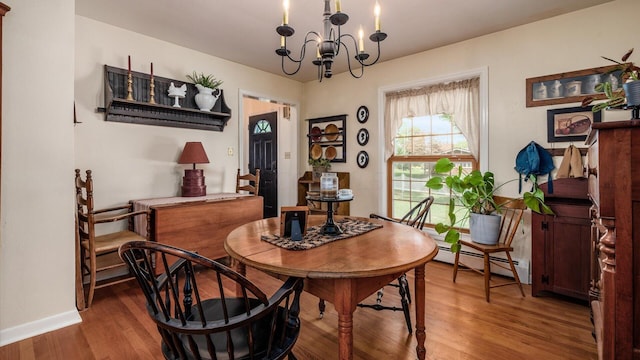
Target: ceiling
(243, 31)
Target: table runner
(313, 238)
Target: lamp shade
(193, 153)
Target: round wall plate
(363, 159)
(363, 114)
(363, 136)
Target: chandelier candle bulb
(376, 12)
(285, 15)
(361, 40)
(318, 52)
(282, 42)
(338, 6)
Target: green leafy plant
(629, 71)
(208, 81)
(475, 191)
(320, 162)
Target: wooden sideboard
(614, 188)
(199, 224)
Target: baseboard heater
(476, 260)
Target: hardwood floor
(460, 325)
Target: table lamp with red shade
(193, 180)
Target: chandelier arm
(346, 49)
(337, 40)
(303, 48)
(295, 62)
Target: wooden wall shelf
(162, 113)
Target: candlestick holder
(129, 87)
(152, 86)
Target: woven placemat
(313, 238)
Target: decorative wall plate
(363, 137)
(363, 114)
(363, 159)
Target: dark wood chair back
(248, 182)
(204, 309)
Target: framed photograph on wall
(289, 214)
(570, 124)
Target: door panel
(263, 155)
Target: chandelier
(328, 45)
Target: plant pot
(317, 171)
(632, 92)
(205, 99)
(484, 229)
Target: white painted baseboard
(38, 327)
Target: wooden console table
(200, 223)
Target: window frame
(384, 202)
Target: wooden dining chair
(248, 182)
(416, 217)
(205, 310)
(511, 212)
(97, 254)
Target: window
(422, 136)
(262, 127)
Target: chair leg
(455, 266)
(321, 307)
(515, 274)
(405, 285)
(487, 275)
(92, 279)
(403, 288)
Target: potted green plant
(630, 91)
(319, 166)
(475, 192)
(206, 85)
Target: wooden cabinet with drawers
(614, 188)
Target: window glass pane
(420, 141)
(262, 127)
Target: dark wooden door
(263, 155)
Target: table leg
(345, 305)
(420, 314)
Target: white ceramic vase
(205, 99)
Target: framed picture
(571, 86)
(570, 124)
(289, 214)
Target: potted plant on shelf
(629, 94)
(475, 192)
(319, 166)
(206, 85)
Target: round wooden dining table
(343, 272)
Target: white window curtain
(459, 98)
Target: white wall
(36, 234)
(565, 43)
